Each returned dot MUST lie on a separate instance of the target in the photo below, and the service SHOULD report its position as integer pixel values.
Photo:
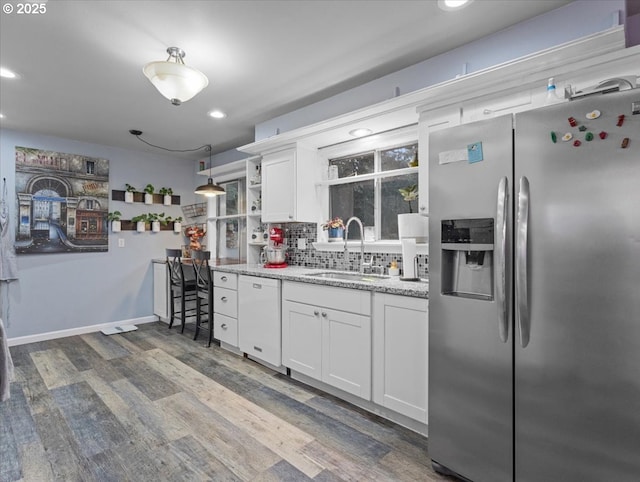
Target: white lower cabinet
(400, 354)
(259, 318)
(225, 308)
(160, 291)
(331, 344)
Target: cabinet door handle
(223, 278)
(324, 314)
(316, 312)
(224, 298)
(257, 348)
(223, 326)
(257, 286)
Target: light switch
(120, 242)
(302, 243)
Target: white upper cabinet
(289, 180)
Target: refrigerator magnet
(474, 152)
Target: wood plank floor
(153, 404)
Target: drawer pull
(224, 298)
(223, 278)
(257, 286)
(223, 326)
(257, 348)
(324, 314)
(316, 312)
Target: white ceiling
(80, 63)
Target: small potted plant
(166, 192)
(412, 225)
(409, 194)
(114, 217)
(156, 219)
(177, 225)
(128, 194)
(140, 221)
(148, 194)
(335, 227)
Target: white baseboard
(52, 335)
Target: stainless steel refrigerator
(534, 303)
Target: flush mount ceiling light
(360, 132)
(453, 4)
(209, 189)
(173, 79)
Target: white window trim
(377, 142)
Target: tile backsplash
(312, 258)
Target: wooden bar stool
(182, 290)
(204, 291)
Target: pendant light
(173, 79)
(209, 189)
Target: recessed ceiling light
(453, 4)
(217, 114)
(1, 115)
(7, 74)
(360, 132)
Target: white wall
(67, 291)
(573, 21)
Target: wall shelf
(138, 197)
(128, 225)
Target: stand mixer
(275, 250)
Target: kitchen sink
(348, 276)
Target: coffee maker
(275, 250)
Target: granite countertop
(392, 285)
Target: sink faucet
(346, 237)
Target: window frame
(375, 143)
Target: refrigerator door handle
(522, 295)
(501, 260)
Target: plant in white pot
(155, 219)
(148, 193)
(114, 217)
(166, 192)
(412, 225)
(177, 224)
(141, 221)
(128, 194)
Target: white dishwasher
(259, 325)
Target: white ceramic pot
(140, 226)
(116, 226)
(413, 225)
(177, 228)
(128, 197)
(148, 198)
(155, 226)
(167, 200)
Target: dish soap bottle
(393, 268)
(552, 95)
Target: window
(91, 167)
(376, 200)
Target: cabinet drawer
(225, 329)
(225, 302)
(343, 299)
(225, 280)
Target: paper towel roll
(409, 252)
